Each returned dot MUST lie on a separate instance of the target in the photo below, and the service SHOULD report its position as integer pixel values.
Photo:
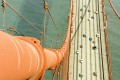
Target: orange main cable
(23, 58)
(19, 60)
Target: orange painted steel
(23, 58)
(19, 60)
(106, 40)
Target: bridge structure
(88, 60)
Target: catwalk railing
(106, 40)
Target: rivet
(94, 42)
(81, 60)
(81, 17)
(35, 42)
(89, 10)
(84, 35)
(92, 17)
(90, 39)
(88, 19)
(81, 75)
(77, 52)
(81, 9)
(98, 35)
(85, 6)
(94, 73)
(81, 46)
(96, 12)
(94, 47)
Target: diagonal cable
(54, 22)
(31, 23)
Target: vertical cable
(3, 8)
(44, 29)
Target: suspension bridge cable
(18, 32)
(31, 23)
(24, 18)
(114, 8)
(59, 35)
(80, 21)
(3, 12)
(47, 9)
(106, 42)
(54, 22)
(3, 21)
(44, 30)
(46, 5)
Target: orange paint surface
(22, 57)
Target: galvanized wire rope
(44, 30)
(3, 13)
(13, 31)
(106, 42)
(46, 8)
(118, 15)
(52, 19)
(80, 21)
(3, 21)
(31, 23)
(54, 23)
(24, 18)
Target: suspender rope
(44, 31)
(54, 23)
(3, 8)
(46, 8)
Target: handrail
(106, 40)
